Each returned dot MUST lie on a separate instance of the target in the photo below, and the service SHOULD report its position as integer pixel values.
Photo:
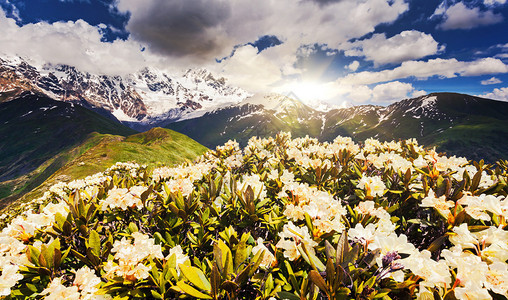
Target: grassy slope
(156, 146)
(35, 128)
(10, 190)
(39, 135)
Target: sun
(310, 92)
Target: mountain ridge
(142, 100)
(437, 119)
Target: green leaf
(437, 243)
(318, 281)
(133, 227)
(156, 295)
(342, 249)
(189, 290)
(94, 242)
(48, 253)
(241, 253)
(215, 278)
(196, 277)
(227, 257)
(32, 254)
(287, 296)
(476, 180)
(308, 221)
(311, 258)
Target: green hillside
(35, 128)
(100, 151)
(40, 136)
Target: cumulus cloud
(407, 45)
(382, 94)
(253, 71)
(391, 91)
(353, 66)
(445, 68)
(492, 80)
(209, 29)
(497, 94)
(459, 16)
(74, 43)
(494, 2)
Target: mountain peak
(146, 98)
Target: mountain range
(54, 117)
(142, 100)
(458, 124)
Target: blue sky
(337, 51)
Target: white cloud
(75, 43)
(418, 93)
(407, 45)
(494, 2)
(192, 33)
(492, 80)
(253, 71)
(208, 29)
(393, 91)
(497, 94)
(353, 66)
(382, 94)
(360, 94)
(459, 16)
(446, 68)
(10, 9)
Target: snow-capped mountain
(147, 98)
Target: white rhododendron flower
(254, 181)
(57, 291)
(268, 259)
(292, 236)
(497, 278)
(179, 256)
(434, 273)
(463, 237)
(364, 235)
(373, 186)
(124, 198)
(86, 281)
(129, 257)
(440, 204)
(472, 292)
(9, 278)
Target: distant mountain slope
(456, 123)
(240, 122)
(35, 128)
(100, 151)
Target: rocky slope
(142, 100)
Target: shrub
(280, 219)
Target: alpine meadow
(256, 150)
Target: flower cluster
(281, 219)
